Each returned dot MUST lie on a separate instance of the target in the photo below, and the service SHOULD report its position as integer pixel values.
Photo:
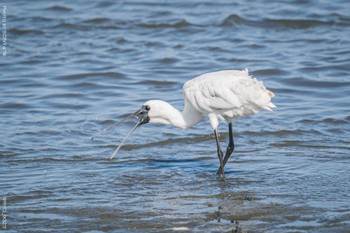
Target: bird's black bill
(127, 136)
(142, 114)
(110, 126)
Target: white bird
(221, 96)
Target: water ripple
(58, 8)
(235, 20)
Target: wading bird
(221, 96)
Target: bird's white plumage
(222, 95)
(227, 95)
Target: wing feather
(230, 92)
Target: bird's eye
(147, 107)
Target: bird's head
(156, 111)
(153, 111)
(142, 114)
(150, 111)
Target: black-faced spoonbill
(223, 95)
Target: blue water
(75, 67)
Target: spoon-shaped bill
(110, 126)
(127, 136)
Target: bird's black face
(142, 114)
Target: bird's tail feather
(269, 107)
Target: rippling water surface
(74, 67)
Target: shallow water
(74, 67)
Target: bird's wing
(228, 90)
(212, 92)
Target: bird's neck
(170, 115)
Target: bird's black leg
(230, 148)
(220, 155)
